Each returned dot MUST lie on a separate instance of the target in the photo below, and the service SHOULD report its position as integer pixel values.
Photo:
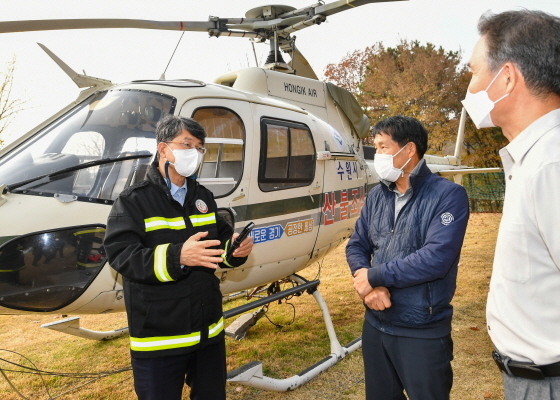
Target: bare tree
(8, 107)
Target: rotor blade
(300, 11)
(343, 5)
(316, 19)
(321, 13)
(269, 24)
(301, 65)
(59, 24)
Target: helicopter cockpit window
(88, 146)
(223, 161)
(287, 156)
(108, 125)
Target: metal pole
(255, 54)
(275, 47)
(460, 136)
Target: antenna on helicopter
(254, 53)
(162, 77)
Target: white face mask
(479, 105)
(186, 161)
(383, 164)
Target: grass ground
(283, 351)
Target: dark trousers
(163, 378)
(422, 367)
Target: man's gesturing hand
(196, 253)
(378, 298)
(361, 283)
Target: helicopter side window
(223, 161)
(369, 152)
(287, 155)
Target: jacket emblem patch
(447, 218)
(202, 207)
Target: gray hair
(531, 40)
(170, 126)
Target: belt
(525, 370)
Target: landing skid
(71, 326)
(251, 374)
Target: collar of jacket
(154, 176)
(415, 180)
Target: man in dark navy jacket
(404, 255)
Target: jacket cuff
(232, 261)
(374, 277)
(173, 259)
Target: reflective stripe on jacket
(171, 310)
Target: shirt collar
(519, 146)
(174, 187)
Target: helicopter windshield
(112, 124)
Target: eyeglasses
(186, 146)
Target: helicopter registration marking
(267, 233)
(299, 227)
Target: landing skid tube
(251, 374)
(71, 326)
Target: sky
(123, 55)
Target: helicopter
(284, 150)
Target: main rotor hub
(268, 12)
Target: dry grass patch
(53, 351)
(283, 351)
(476, 374)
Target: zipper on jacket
(391, 239)
(396, 219)
(380, 317)
(430, 298)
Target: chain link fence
(485, 191)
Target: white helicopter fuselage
(298, 221)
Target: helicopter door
(285, 188)
(224, 161)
